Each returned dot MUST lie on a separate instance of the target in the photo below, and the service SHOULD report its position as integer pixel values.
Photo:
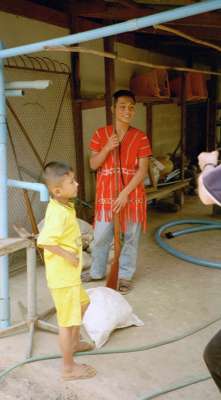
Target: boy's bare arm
(67, 255)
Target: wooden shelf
(156, 100)
(165, 191)
(93, 102)
(10, 245)
(88, 103)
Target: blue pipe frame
(131, 25)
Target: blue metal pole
(131, 25)
(4, 276)
(14, 93)
(37, 187)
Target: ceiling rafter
(35, 11)
(97, 13)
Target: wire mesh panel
(40, 127)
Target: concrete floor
(171, 296)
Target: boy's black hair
(123, 93)
(55, 170)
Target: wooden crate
(196, 86)
(151, 84)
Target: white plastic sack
(107, 311)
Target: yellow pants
(68, 302)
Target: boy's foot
(86, 277)
(125, 285)
(85, 346)
(79, 371)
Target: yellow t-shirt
(61, 229)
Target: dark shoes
(125, 286)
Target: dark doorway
(196, 130)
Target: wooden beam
(129, 3)
(109, 66)
(77, 112)
(171, 47)
(118, 13)
(212, 113)
(167, 2)
(206, 20)
(25, 8)
(188, 37)
(149, 123)
(199, 32)
(183, 125)
(98, 9)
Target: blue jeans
(103, 237)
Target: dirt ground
(171, 296)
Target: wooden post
(183, 124)
(211, 124)
(212, 113)
(109, 77)
(179, 195)
(77, 110)
(149, 124)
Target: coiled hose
(203, 225)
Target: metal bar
(39, 84)
(116, 29)
(46, 326)
(31, 283)
(14, 93)
(31, 339)
(4, 273)
(37, 187)
(13, 329)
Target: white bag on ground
(107, 311)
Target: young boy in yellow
(61, 240)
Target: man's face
(124, 109)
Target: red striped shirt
(134, 145)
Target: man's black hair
(123, 93)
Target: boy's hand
(208, 158)
(66, 254)
(73, 259)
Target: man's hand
(112, 143)
(120, 202)
(208, 158)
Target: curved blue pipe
(203, 225)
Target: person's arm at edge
(203, 193)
